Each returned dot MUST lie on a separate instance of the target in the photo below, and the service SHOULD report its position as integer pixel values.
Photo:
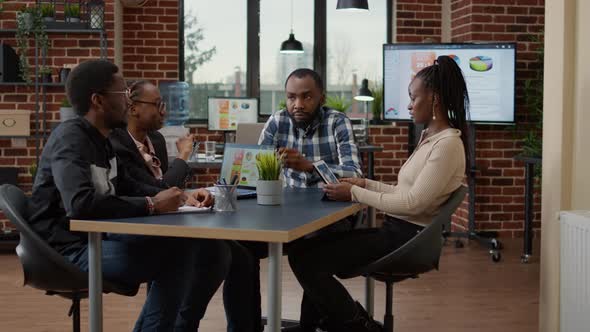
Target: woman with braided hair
(439, 100)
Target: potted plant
(377, 103)
(337, 103)
(29, 24)
(25, 17)
(72, 13)
(66, 111)
(33, 170)
(48, 12)
(45, 74)
(269, 188)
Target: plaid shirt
(328, 138)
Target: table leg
(275, 274)
(528, 212)
(369, 282)
(95, 281)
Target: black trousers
(318, 260)
(310, 316)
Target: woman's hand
(200, 198)
(185, 146)
(339, 191)
(355, 181)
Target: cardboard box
(15, 123)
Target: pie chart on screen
(481, 63)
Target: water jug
(176, 97)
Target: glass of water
(210, 150)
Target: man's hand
(200, 198)
(360, 182)
(185, 146)
(168, 200)
(293, 159)
(339, 191)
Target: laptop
(240, 160)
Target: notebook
(240, 160)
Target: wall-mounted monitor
(489, 70)
(226, 112)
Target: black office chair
(43, 267)
(421, 254)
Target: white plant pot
(269, 192)
(73, 19)
(28, 19)
(67, 113)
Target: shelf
(33, 84)
(78, 31)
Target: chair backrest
(421, 253)
(248, 133)
(43, 267)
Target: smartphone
(325, 172)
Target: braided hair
(445, 79)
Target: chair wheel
(496, 257)
(495, 244)
(459, 244)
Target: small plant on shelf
(48, 12)
(72, 12)
(45, 74)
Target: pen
(234, 180)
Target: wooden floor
(469, 293)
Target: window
(275, 26)
(219, 61)
(214, 52)
(355, 51)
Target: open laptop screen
(240, 159)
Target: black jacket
(78, 177)
(174, 175)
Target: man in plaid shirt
(307, 132)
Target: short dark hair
(87, 78)
(136, 87)
(303, 72)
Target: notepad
(192, 209)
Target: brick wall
(418, 20)
(500, 180)
(63, 49)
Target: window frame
(253, 46)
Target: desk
(273, 224)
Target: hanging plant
(29, 22)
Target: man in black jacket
(79, 177)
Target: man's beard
(304, 124)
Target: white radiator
(575, 271)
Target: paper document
(192, 209)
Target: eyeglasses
(126, 92)
(159, 104)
